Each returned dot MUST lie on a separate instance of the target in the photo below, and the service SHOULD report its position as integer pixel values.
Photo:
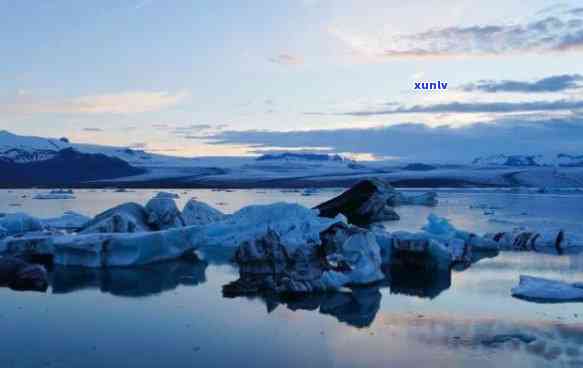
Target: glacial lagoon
(174, 313)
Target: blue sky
(231, 78)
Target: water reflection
(130, 282)
(357, 307)
(556, 343)
(421, 282)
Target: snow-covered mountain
(24, 149)
(511, 160)
(34, 161)
(560, 160)
(566, 160)
(293, 156)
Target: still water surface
(174, 314)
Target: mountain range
(56, 162)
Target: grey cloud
(554, 83)
(420, 142)
(286, 59)
(471, 107)
(188, 130)
(92, 130)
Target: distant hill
(301, 157)
(418, 167)
(63, 168)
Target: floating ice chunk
(421, 250)
(167, 195)
(549, 241)
(163, 213)
(18, 223)
(52, 195)
(543, 290)
(70, 220)
(425, 199)
(441, 229)
(361, 253)
(125, 218)
(200, 213)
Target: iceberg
(70, 220)
(549, 241)
(294, 224)
(18, 223)
(344, 255)
(125, 218)
(425, 199)
(104, 250)
(550, 291)
(417, 250)
(365, 203)
(372, 200)
(163, 213)
(441, 229)
(200, 213)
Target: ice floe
(544, 290)
(56, 194)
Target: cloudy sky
(229, 78)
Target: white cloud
(112, 103)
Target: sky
(199, 78)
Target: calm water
(174, 315)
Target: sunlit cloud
(547, 32)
